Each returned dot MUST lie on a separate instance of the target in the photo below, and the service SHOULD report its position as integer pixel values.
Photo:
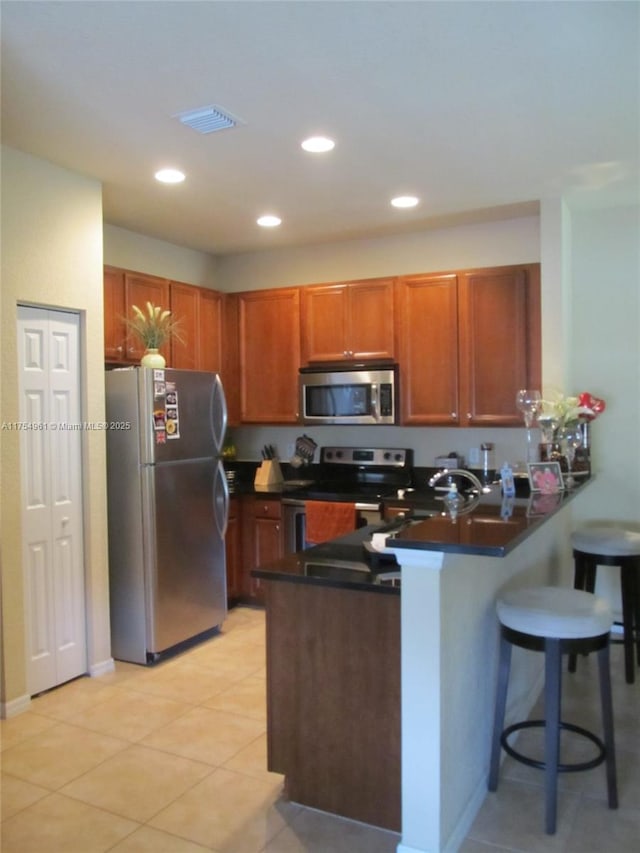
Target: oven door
(294, 522)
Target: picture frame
(545, 477)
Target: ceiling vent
(207, 119)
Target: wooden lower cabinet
(333, 699)
(262, 541)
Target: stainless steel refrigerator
(168, 504)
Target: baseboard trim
(102, 668)
(14, 707)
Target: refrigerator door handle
(218, 414)
(221, 500)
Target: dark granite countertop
(343, 562)
(492, 526)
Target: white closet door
(51, 461)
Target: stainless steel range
(360, 475)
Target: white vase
(153, 358)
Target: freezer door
(183, 415)
(185, 570)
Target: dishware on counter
(570, 440)
(529, 402)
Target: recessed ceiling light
(405, 201)
(269, 221)
(169, 176)
(318, 144)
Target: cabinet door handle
(454, 414)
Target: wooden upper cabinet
(269, 338)
(499, 320)
(122, 289)
(348, 321)
(115, 331)
(185, 308)
(230, 370)
(210, 331)
(200, 314)
(140, 289)
(427, 317)
(467, 341)
(197, 308)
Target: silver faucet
(459, 472)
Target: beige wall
(51, 256)
(132, 251)
(604, 353)
(508, 241)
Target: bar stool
(556, 621)
(611, 546)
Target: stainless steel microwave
(354, 394)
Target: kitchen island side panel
(333, 699)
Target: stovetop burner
(361, 473)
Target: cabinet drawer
(267, 508)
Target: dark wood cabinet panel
(499, 317)
(185, 307)
(262, 541)
(199, 312)
(428, 344)
(333, 699)
(468, 340)
(198, 309)
(230, 355)
(140, 289)
(122, 290)
(348, 321)
(115, 332)
(269, 334)
(210, 330)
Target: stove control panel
(386, 457)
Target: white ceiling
(480, 108)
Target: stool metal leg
(584, 577)
(552, 692)
(628, 612)
(607, 725)
(504, 666)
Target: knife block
(268, 474)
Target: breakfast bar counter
(380, 701)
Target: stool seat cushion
(558, 612)
(608, 541)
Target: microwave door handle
(332, 397)
(375, 402)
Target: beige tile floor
(171, 759)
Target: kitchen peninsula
(351, 663)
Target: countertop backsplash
(510, 443)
